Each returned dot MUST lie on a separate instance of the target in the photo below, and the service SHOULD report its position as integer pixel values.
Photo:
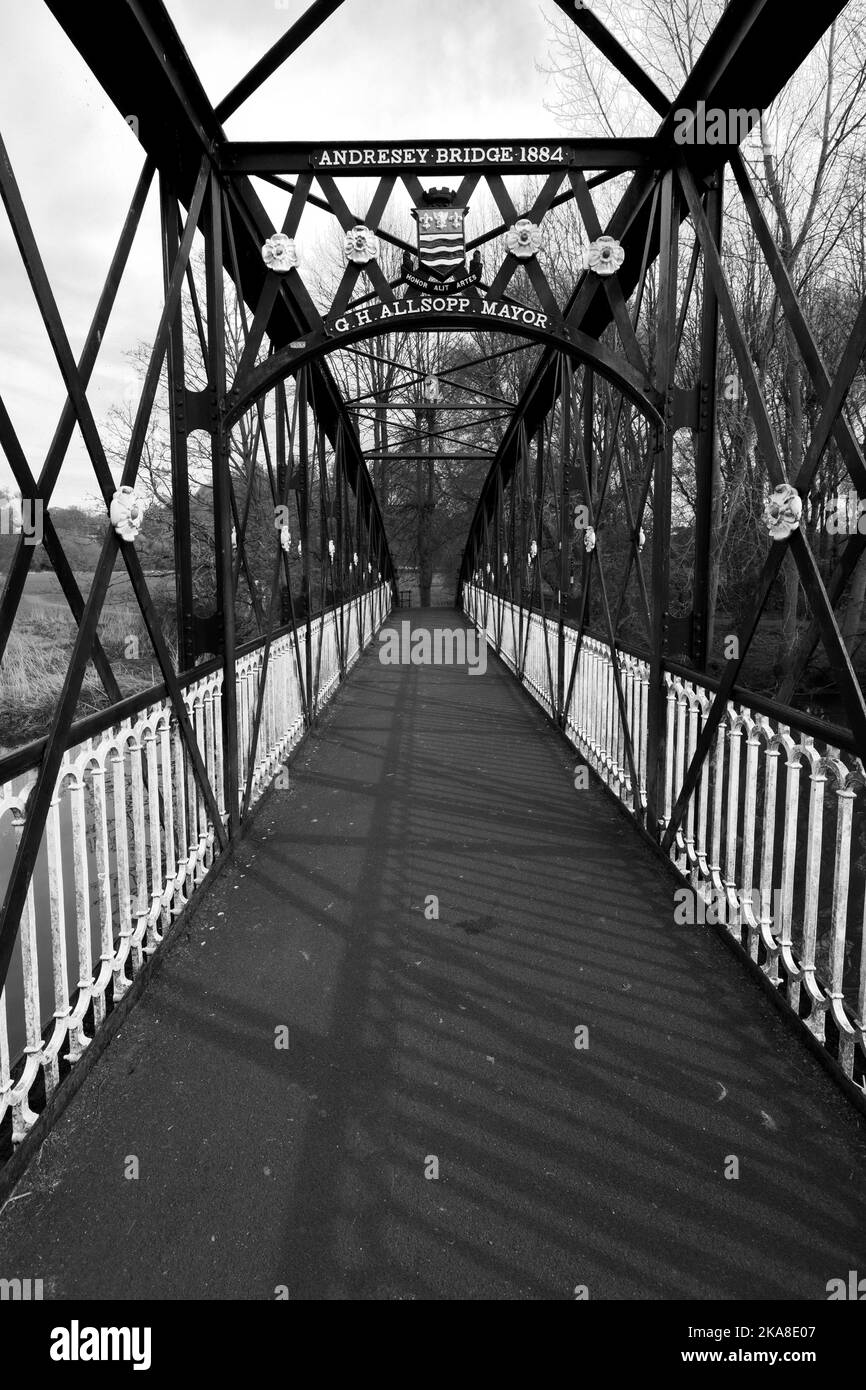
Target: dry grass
(36, 661)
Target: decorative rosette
(279, 253)
(782, 511)
(533, 551)
(332, 549)
(605, 255)
(285, 538)
(431, 389)
(523, 239)
(127, 512)
(589, 538)
(505, 558)
(361, 245)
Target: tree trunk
(714, 565)
(854, 606)
(788, 633)
(425, 516)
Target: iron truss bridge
(144, 824)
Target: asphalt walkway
(417, 1044)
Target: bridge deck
(411, 1038)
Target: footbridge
(514, 950)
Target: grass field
(37, 655)
(43, 588)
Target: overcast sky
(389, 69)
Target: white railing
(773, 842)
(128, 840)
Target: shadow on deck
(409, 1039)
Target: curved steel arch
(321, 343)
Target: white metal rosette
(589, 538)
(533, 550)
(127, 512)
(332, 549)
(523, 239)
(604, 255)
(361, 245)
(431, 389)
(279, 253)
(782, 511)
(285, 538)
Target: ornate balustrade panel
(128, 840)
(773, 842)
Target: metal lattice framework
(600, 408)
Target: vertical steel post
(175, 362)
(706, 452)
(340, 543)
(304, 526)
(222, 497)
(662, 473)
(538, 529)
(567, 383)
(586, 565)
(282, 491)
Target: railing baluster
(839, 911)
(715, 864)
(815, 834)
(121, 868)
(101, 852)
(669, 750)
(78, 1039)
(692, 866)
(789, 862)
(733, 915)
(750, 805)
(679, 766)
(23, 1117)
(142, 907)
(59, 964)
(172, 880)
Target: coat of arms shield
(441, 239)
